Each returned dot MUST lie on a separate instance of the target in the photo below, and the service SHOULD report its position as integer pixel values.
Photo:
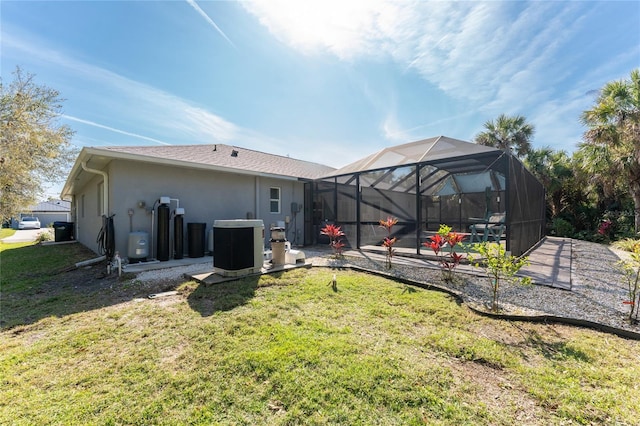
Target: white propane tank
(138, 248)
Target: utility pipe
(90, 261)
(105, 189)
(119, 262)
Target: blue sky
(327, 81)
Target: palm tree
(555, 171)
(612, 142)
(510, 134)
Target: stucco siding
(291, 192)
(205, 195)
(85, 215)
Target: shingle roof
(52, 206)
(229, 157)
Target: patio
(428, 183)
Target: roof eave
(88, 152)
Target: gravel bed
(598, 287)
(171, 274)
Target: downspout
(257, 198)
(105, 189)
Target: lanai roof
(436, 149)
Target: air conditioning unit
(238, 247)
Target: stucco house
(209, 182)
(424, 184)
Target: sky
(325, 81)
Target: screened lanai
(427, 183)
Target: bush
(631, 269)
(44, 236)
(627, 244)
(562, 228)
(499, 266)
(335, 235)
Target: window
(82, 206)
(274, 200)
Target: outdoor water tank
(210, 241)
(238, 246)
(138, 246)
(163, 232)
(196, 238)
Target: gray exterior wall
(86, 215)
(205, 195)
(47, 219)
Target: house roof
(52, 206)
(422, 151)
(219, 157)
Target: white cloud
(345, 28)
(496, 57)
(392, 129)
(111, 129)
(483, 52)
(130, 107)
(202, 13)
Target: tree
(499, 265)
(34, 148)
(612, 142)
(510, 134)
(554, 170)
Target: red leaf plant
(436, 243)
(449, 261)
(606, 229)
(389, 242)
(335, 235)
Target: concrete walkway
(26, 235)
(550, 262)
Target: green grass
(29, 264)
(6, 232)
(287, 349)
(24, 270)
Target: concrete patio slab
(212, 277)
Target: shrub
(562, 228)
(43, 236)
(450, 260)
(631, 269)
(627, 244)
(389, 242)
(499, 266)
(335, 235)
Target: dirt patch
(496, 388)
(71, 291)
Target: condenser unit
(238, 247)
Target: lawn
(288, 349)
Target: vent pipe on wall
(105, 189)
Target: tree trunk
(634, 188)
(635, 194)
